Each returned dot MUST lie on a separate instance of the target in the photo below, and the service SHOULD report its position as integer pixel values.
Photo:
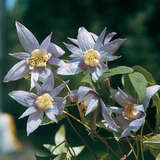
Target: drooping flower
(131, 115)
(36, 57)
(90, 53)
(45, 101)
(89, 101)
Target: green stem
(141, 141)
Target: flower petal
(82, 91)
(58, 89)
(105, 113)
(73, 95)
(121, 97)
(75, 41)
(55, 50)
(100, 69)
(45, 74)
(111, 58)
(85, 39)
(77, 53)
(50, 114)
(34, 122)
(17, 71)
(95, 37)
(99, 42)
(93, 104)
(28, 112)
(48, 85)
(126, 132)
(58, 105)
(34, 78)
(20, 55)
(25, 98)
(115, 109)
(70, 68)
(109, 37)
(56, 61)
(113, 46)
(27, 39)
(46, 42)
(149, 93)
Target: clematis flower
(90, 53)
(90, 101)
(45, 101)
(36, 57)
(131, 115)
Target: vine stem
(84, 142)
(95, 133)
(132, 148)
(141, 141)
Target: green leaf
(127, 85)
(139, 83)
(158, 156)
(116, 71)
(87, 79)
(40, 157)
(156, 102)
(61, 156)
(47, 121)
(153, 144)
(146, 74)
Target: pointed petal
(45, 74)
(34, 78)
(85, 39)
(115, 109)
(73, 40)
(74, 96)
(58, 89)
(95, 37)
(111, 58)
(93, 104)
(48, 85)
(106, 115)
(126, 132)
(149, 93)
(34, 122)
(56, 61)
(109, 37)
(100, 69)
(70, 68)
(78, 150)
(17, 71)
(50, 114)
(113, 46)
(28, 112)
(27, 39)
(58, 105)
(60, 135)
(55, 50)
(121, 97)
(99, 42)
(82, 91)
(46, 42)
(77, 53)
(38, 87)
(25, 98)
(20, 55)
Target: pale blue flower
(131, 115)
(45, 101)
(36, 57)
(90, 53)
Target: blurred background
(137, 20)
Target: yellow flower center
(91, 57)
(39, 58)
(44, 101)
(131, 113)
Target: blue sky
(10, 4)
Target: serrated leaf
(87, 79)
(139, 83)
(146, 74)
(116, 71)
